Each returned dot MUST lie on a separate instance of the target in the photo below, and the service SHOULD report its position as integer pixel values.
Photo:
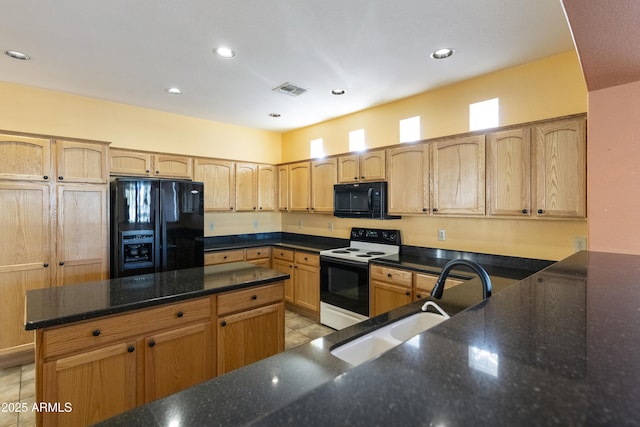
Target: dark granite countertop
(557, 348)
(64, 304)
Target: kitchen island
(557, 348)
(105, 347)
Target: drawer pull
(418, 296)
(152, 343)
(180, 314)
(223, 323)
(61, 178)
(224, 257)
(254, 297)
(95, 332)
(46, 177)
(45, 265)
(389, 275)
(131, 349)
(407, 293)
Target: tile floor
(17, 384)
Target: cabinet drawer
(85, 335)
(257, 253)
(392, 275)
(283, 254)
(211, 258)
(426, 282)
(249, 298)
(307, 259)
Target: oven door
(345, 284)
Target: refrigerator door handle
(163, 230)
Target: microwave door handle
(369, 196)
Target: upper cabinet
(246, 187)
(300, 186)
(323, 178)
(369, 166)
(458, 176)
(25, 158)
(218, 177)
(283, 188)
(266, 188)
(140, 163)
(84, 162)
(408, 179)
(560, 155)
(509, 172)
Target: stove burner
(375, 253)
(340, 251)
(352, 249)
(364, 256)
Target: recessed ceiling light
(224, 52)
(17, 55)
(174, 91)
(274, 114)
(338, 92)
(442, 53)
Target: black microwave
(365, 200)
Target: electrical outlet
(210, 226)
(255, 224)
(442, 234)
(580, 244)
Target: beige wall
(34, 110)
(613, 163)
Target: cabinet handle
(291, 266)
(355, 177)
(131, 349)
(424, 209)
(434, 210)
(305, 258)
(61, 178)
(45, 265)
(180, 314)
(260, 208)
(362, 177)
(61, 263)
(389, 274)
(152, 343)
(407, 293)
(254, 297)
(231, 208)
(254, 208)
(418, 296)
(157, 172)
(95, 332)
(223, 323)
(46, 177)
(147, 171)
(540, 211)
(224, 257)
(525, 211)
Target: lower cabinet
(302, 290)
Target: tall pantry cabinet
(53, 223)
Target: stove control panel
(375, 235)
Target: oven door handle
(340, 261)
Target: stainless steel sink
(377, 342)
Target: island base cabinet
(249, 336)
(176, 360)
(89, 387)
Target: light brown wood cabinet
(368, 166)
(458, 169)
(103, 367)
(509, 172)
(255, 187)
(282, 261)
(259, 256)
(408, 179)
(142, 163)
(250, 326)
(560, 155)
(267, 177)
(307, 281)
(391, 288)
(25, 158)
(82, 162)
(172, 166)
(218, 177)
(323, 178)
(283, 188)
(300, 187)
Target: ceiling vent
(290, 89)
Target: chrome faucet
(438, 288)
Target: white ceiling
(377, 50)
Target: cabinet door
(25, 158)
(307, 287)
(97, 384)
(177, 359)
(323, 178)
(408, 179)
(348, 168)
(426, 282)
(246, 187)
(561, 169)
(283, 188)
(266, 188)
(129, 163)
(458, 176)
(168, 166)
(509, 172)
(284, 266)
(219, 184)
(386, 296)
(299, 186)
(82, 162)
(373, 166)
(249, 336)
(82, 235)
(24, 257)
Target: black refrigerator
(156, 225)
